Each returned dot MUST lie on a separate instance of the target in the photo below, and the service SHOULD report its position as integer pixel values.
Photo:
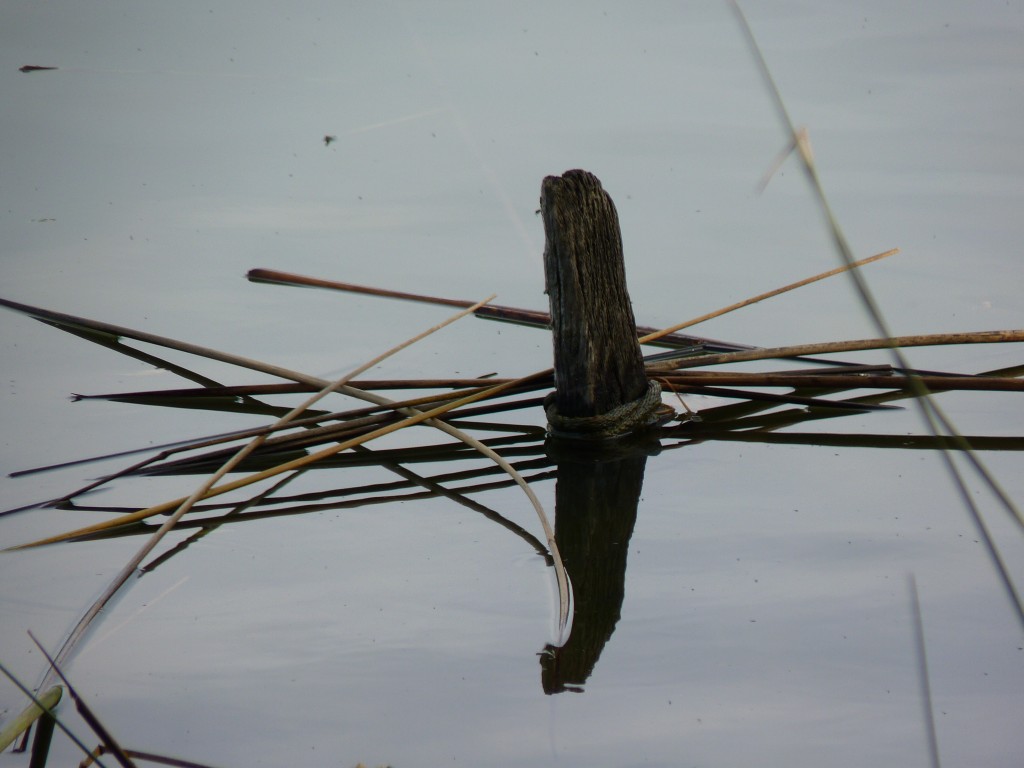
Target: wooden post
(598, 364)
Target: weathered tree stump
(601, 388)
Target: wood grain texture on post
(597, 360)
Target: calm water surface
(756, 614)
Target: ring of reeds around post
(647, 410)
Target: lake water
(758, 611)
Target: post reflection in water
(596, 500)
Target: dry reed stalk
(254, 390)
(767, 295)
(743, 394)
(276, 277)
(530, 317)
(896, 342)
(937, 421)
(843, 381)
